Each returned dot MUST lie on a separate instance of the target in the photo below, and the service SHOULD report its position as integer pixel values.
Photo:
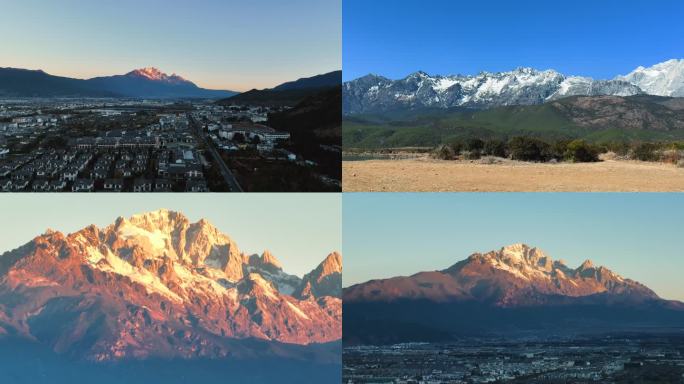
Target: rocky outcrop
(154, 285)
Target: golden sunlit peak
(153, 73)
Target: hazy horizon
(227, 45)
(634, 235)
(299, 229)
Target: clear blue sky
(597, 38)
(638, 235)
(222, 44)
(299, 229)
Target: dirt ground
(429, 175)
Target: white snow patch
(264, 285)
(142, 276)
(297, 311)
(197, 282)
(157, 239)
(94, 255)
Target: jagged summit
(520, 86)
(185, 288)
(332, 264)
(516, 288)
(663, 79)
(152, 73)
(587, 264)
(325, 280)
(268, 258)
(514, 275)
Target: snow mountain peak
(521, 86)
(154, 74)
(184, 287)
(662, 79)
(514, 275)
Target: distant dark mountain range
(330, 79)
(287, 94)
(515, 289)
(318, 116)
(25, 83)
(140, 83)
(594, 118)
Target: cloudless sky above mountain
(299, 229)
(218, 44)
(600, 39)
(636, 235)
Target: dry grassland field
(423, 174)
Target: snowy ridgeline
(522, 86)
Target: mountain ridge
(287, 94)
(514, 289)
(184, 289)
(514, 273)
(521, 86)
(146, 82)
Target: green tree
(579, 151)
(494, 147)
(529, 149)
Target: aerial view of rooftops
(132, 97)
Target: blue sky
(222, 44)
(637, 235)
(299, 229)
(600, 39)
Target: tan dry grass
(429, 175)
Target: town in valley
(129, 145)
(625, 358)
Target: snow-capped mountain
(152, 83)
(515, 288)
(522, 86)
(157, 285)
(154, 74)
(663, 79)
(511, 276)
(139, 83)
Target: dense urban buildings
(113, 145)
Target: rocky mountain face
(153, 83)
(154, 74)
(642, 112)
(325, 280)
(663, 79)
(157, 285)
(517, 287)
(516, 275)
(522, 86)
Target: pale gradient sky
(299, 229)
(637, 235)
(218, 44)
